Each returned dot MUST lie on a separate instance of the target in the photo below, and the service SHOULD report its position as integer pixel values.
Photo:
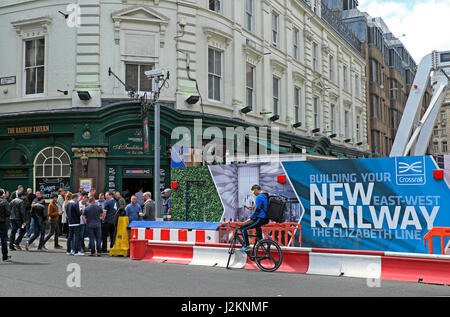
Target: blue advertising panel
(381, 204)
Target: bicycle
(265, 253)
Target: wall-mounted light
(347, 140)
(316, 130)
(84, 95)
(274, 118)
(297, 125)
(359, 143)
(192, 100)
(332, 136)
(84, 162)
(65, 92)
(66, 16)
(246, 109)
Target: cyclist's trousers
(255, 223)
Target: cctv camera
(155, 73)
(182, 22)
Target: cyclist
(257, 219)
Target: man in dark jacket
(18, 221)
(40, 216)
(5, 212)
(73, 219)
(149, 207)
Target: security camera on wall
(155, 73)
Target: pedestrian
(40, 215)
(149, 207)
(18, 221)
(5, 213)
(29, 198)
(15, 194)
(121, 204)
(92, 216)
(140, 197)
(67, 199)
(83, 203)
(73, 219)
(92, 193)
(37, 198)
(53, 216)
(101, 200)
(167, 206)
(60, 204)
(108, 223)
(133, 210)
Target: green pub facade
(101, 148)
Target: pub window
(135, 76)
(52, 162)
(34, 66)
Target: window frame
(250, 15)
(215, 75)
(215, 3)
(298, 111)
(252, 88)
(138, 90)
(35, 66)
(316, 112)
(276, 99)
(296, 43)
(275, 29)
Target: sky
(424, 23)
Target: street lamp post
(156, 76)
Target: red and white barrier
(363, 264)
(175, 235)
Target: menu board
(48, 186)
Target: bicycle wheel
(231, 250)
(268, 255)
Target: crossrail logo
(410, 170)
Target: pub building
(100, 148)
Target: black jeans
(4, 240)
(255, 223)
(54, 230)
(39, 231)
(16, 224)
(107, 230)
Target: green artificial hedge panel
(203, 201)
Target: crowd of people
(77, 216)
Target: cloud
(425, 23)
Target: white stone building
(276, 57)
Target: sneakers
(7, 260)
(58, 247)
(18, 247)
(245, 249)
(70, 253)
(79, 254)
